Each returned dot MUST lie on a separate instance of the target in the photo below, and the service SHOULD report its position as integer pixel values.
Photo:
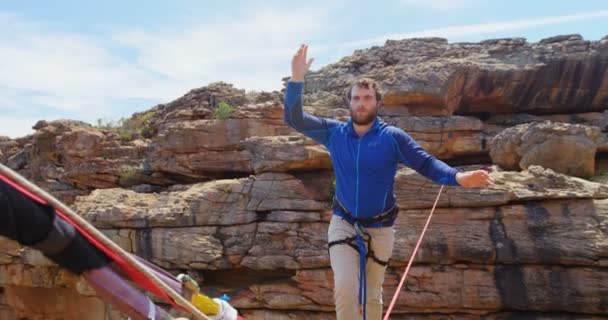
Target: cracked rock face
(567, 148)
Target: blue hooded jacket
(364, 167)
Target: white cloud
(477, 29)
(68, 66)
(51, 73)
(89, 77)
(15, 127)
(442, 5)
(224, 48)
(9, 99)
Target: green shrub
(126, 136)
(129, 129)
(223, 111)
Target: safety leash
(359, 233)
(409, 264)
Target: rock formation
(242, 203)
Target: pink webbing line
(409, 264)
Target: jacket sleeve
(316, 128)
(412, 155)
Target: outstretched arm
(412, 155)
(319, 129)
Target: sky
(90, 60)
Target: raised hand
(299, 64)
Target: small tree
(223, 111)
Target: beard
(363, 119)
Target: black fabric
(351, 242)
(384, 219)
(80, 255)
(58, 239)
(33, 224)
(23, 219)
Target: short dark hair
(365, 83)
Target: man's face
(363, 105)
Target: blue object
(365, 167)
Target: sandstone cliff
(242, 203)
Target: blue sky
(108, 59)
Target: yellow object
(205, 304)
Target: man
(365, 154)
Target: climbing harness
(359, 241)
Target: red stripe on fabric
(131, 271)
(22, 190)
